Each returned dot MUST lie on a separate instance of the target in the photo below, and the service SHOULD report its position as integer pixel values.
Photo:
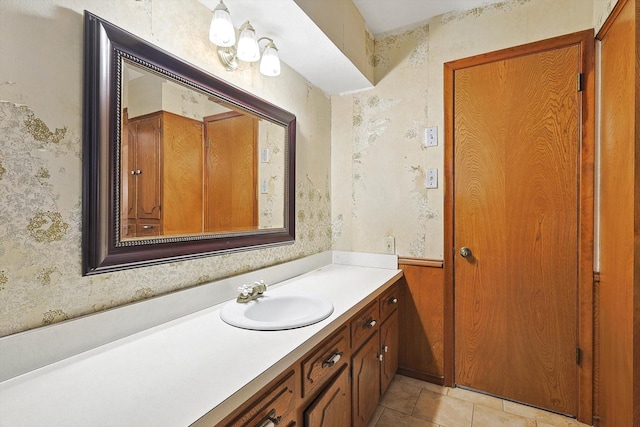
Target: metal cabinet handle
(385, 349)
(335, 357)
(138, 172)
(147, 227)
(270, 420)
(392, 300)
(380, 357)
(369, 324)
(133, 172)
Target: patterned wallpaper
(379, 160)
(361, 161)
(41, 159)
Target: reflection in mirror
(177, 163)
(192, 163)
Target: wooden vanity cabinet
(274, 404)
(326, 390)
(339, 382)
(374, 335)
(332, 408)
(389, 336)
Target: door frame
(586, 41)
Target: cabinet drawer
(389, 301)
(274, 404)
(148, 229)
(325, 361)
(364, 323)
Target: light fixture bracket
(227, 56)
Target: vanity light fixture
(223, 35)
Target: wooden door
(516, 197)
(182, 175)
(389, 349)
(366, 381)
(333, 407)
(618, 302)
(231, 173)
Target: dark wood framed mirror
(177, 164)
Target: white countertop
(177, 372)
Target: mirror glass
(177, 163)
(192, 163)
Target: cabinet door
(147, 169)
(366, 380)
(389, 347)
(332, 407)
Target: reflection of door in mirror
(231, 172)
(162, 175)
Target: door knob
(465, 252)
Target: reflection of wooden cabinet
(162, 157)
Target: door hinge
(208, 143)
(580, 82)
(578, 355)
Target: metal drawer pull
(270, 420)
(147, 227)
(369, 324)
(380, 357)
(393, 300)
(385, 349)
(335, 357)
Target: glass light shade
(221, 32)
(270, 63)
(248, 49)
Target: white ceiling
(305, 48)
(383, 16)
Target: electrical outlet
(431, 180)
(431, 136)
(264, 187)
(390, 245)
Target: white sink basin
(277, 312)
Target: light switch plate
(431, 136)
(431, 180)
(264, 155)
(264, 187)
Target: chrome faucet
(251, 292)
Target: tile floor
(412, 403)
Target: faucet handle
(260, 286)
(244, 290)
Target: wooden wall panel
(422, 321)
(619, 288)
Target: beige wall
(40, 158)
(378, 157)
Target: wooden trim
(449, 314)
(610, 19)
(585, 39)
(422, 262)
(413, 373)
